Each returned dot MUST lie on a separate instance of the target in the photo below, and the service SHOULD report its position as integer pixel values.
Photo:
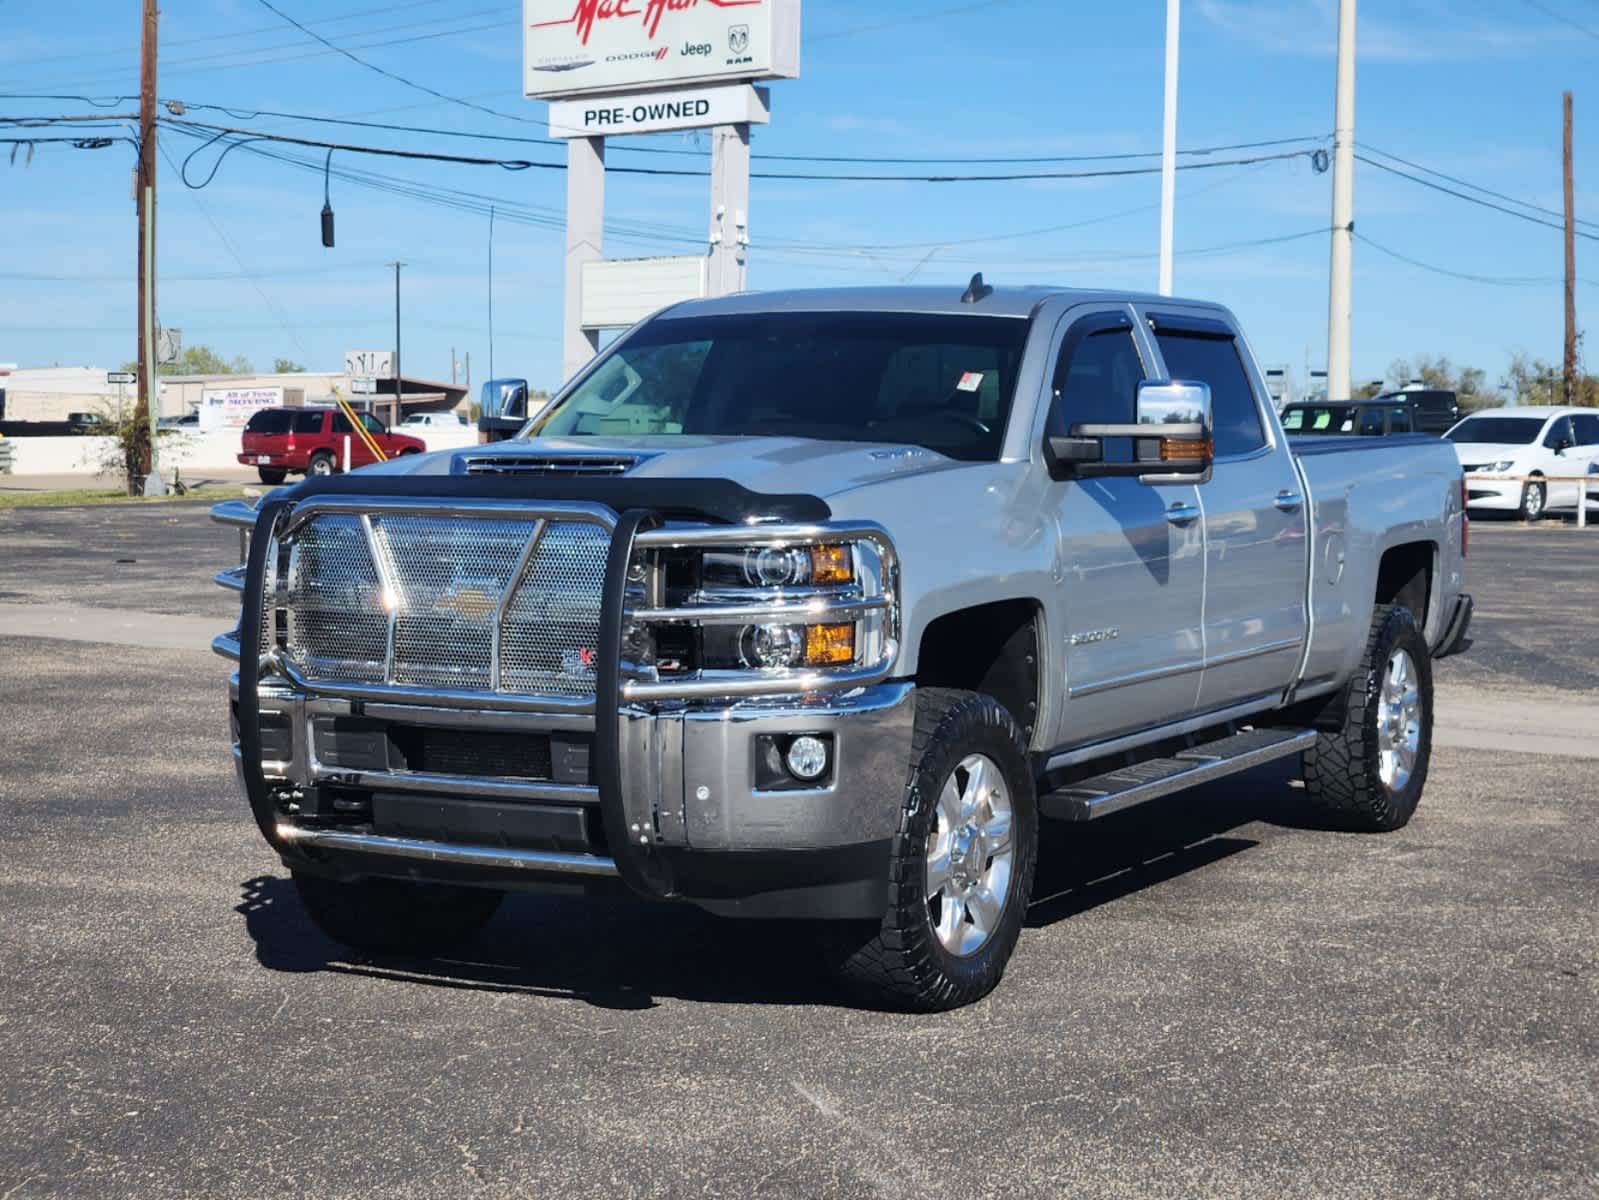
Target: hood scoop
(546, 464)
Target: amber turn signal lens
(831, 564)
(1181, 449)
(829, 645)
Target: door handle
(1181, 513)
(1288, 501)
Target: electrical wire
(1563, 19)
(244, 136)
(1437, 187)
(1477, 187)
(1495, 280)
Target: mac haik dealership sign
(590, 47)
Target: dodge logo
(738, 39)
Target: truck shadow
(618, 953)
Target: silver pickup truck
(813, 604)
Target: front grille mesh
(458, 587)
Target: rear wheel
(272, 475)
(393, 916)
(321, 464)
(1534, 500)
(962, 867)
(1369, 774)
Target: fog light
(807, 757)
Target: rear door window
(1587, 427)
(307, 422)
(269, 421)
(1214, 360)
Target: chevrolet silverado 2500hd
(813, 604)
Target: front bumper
(349, 798)
(1492, 494)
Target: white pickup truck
(813, 604)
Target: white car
(1528, 442)
(433, 420)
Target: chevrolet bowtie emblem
(468, 603)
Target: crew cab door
(1130, 562)
(1255, 519)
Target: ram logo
(1091, 636)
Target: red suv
(278, 441)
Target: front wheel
(962, 867)
(394, 916)
(1368, 775)
(1534, 499)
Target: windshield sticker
(970, 382)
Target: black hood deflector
(716, 500)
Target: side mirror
(1171, 438)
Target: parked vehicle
(1432, 410)
(1530, 444)
(1040, 553)
(86, 423)
(279, 442)
(186, 421)
(1354, 418)
(434, 420)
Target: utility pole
(453, 365)
(1340, 307)
(1571, 268)
(147, 395)
(491, 302)
(730, 204)
(1168, 157)
(398, 377)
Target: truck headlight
(773, 607)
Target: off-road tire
(1342, 770)
(272, 476)
(902, 964)
(322, 463)
(393, 916)
(1530, 509)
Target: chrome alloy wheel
(1536, 498)
(969, 856)
(1398, 722)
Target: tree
(1534, 381)
(1470, 384)
(286, 366)
(202, 360)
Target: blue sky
(1470, 88)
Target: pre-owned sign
(578, 47)
(652, 112)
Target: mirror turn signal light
(832, 564)
(1186, 449)
(829, 645)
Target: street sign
(578, 47)
(121, 377)
(652, 112)
(364, 387)
(369, 364)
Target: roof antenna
(977, 290)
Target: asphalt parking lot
(1212, 998)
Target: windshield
(942, 382)
(1509, 431)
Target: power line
(400, 79)
(1437, 187)
(1563, 19)
(1466, 183)
(241, 136)
(1496, 280)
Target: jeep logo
(697, 50)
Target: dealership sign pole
(612, 68)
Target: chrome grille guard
(637, 861)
